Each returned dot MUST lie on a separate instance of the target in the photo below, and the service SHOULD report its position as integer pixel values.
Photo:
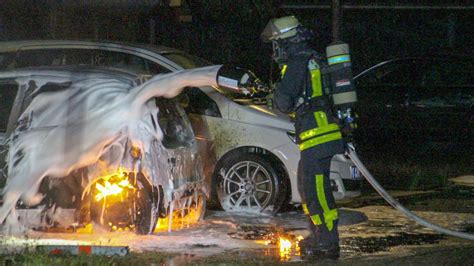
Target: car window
(123, 61)
(6, 59)
(195, 101)
(8, 91)
(396, 73)
(442, 72)
(174, 123)
(186, 61)
(94, 57)
(445, 83)
(35, 58)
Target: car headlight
(291, 135)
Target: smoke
(64, 130)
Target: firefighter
(318, 134)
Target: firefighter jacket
(301, 91)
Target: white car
(249, 153)
(79, 136)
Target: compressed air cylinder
(341, 81)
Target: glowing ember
(285, 248)
(297, 245)
(87, 229)
(288, 246)
(188, 212)
(113, 184)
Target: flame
(182, 217)
(297, 245)
(87, 229)
(113, 184)
(285, 248)
(288, 245)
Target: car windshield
(185, 60)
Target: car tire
(186, 211)
(200, 206)
(147, 202)
(249, 183)
(197, 209)
(139, 210)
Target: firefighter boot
(321, 244)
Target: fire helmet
(280, 28)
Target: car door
(199, 107)
(9, 111)
(180, 155)
(440, 108)
(382, 103)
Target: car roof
(78, 72)
(149, 50)
(437, 56)
(15, 45)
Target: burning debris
(287, 243)
(103, 131)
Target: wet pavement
(371, 232)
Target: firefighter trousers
(315, 189)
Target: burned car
(99, 145)
(239, 137)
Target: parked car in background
(128, 186)
(249, 153)
(418, 101)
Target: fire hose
(350, 151)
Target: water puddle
(392, 234)
(279, 243)
(452, 198)
(356, 245)
(255, 232)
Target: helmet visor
(280, 28)
(269, 32)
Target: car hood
(260, 114)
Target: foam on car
(70, 129)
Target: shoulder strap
(314, 84)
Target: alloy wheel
(247, 185)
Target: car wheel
(184, 212)
(249, 183)
(137, 208)
(194, 209)
(198, 207)
(146, 207)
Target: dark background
(227, 31)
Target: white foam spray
(69, 129)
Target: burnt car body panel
(143, 59)
(171, 165)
